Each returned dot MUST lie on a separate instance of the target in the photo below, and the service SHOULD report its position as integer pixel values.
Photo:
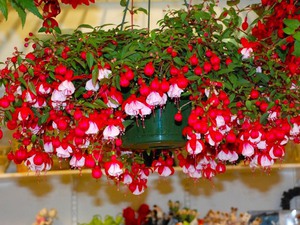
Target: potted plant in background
(233, 89)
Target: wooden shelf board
(88, 171)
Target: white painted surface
(22, 198)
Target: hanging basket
(159, 130)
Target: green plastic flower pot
(159, 130)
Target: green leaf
(192, 78)
(288, 30)
(202, 15)
(249, 105)
(43, 119)
(20, 10)
(297, 36)
(232, 2)
(123, 3)
(21, 79)
(264, 117)
(100, 104)
(127, 123)
(31, 7)
(89, 105)
(142, 10)
(32, 88)
(79, 92)
(8, 115)
(85, 26)
(178, 61)
(292, 23)
(296, 48)
(95, 74)
(90, 59)
(3, 8)
(57, 30)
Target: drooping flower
(66, 87)
(104, 73)
(89, 86)
(113, 167)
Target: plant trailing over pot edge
(74, 95)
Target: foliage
(108, 220)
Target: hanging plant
(74, 96)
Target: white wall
(77, 198)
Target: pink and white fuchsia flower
(104, 73)
(89, 86)
(136, 107)
(114, 167)
(156, 99)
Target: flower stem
(189, 102)
(124, 15)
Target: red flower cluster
(132, 217)
(51, 8)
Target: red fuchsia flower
(247, 49)
(194, 146)
(174, 91)
(24, 113)
(66, 87)
(77, 160)
(156, 99)
(113, 167)
(75, 3)
(126, 178)
(149, 69)
(104, 73)
(163, 167)
(64, 151)
(49, 25)
(247, 149)
(48, 147)
(138, 186)
(265, 160)
(129, 216)
(113, 98)
(134, 106)
(89, 86)
(38, 161)
(93, 128)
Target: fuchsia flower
(138, 186)
(111, 132)
(194, 147)
(64, 151)
(156, 99)
(89, 86)
(77, 161)
(93, 128)
(66, 87)
(104, 73)
(134, 106)
(113, 167)
(163, 167)
(174, 91)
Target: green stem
(189, 102)
(149, 6)
(124, 15)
